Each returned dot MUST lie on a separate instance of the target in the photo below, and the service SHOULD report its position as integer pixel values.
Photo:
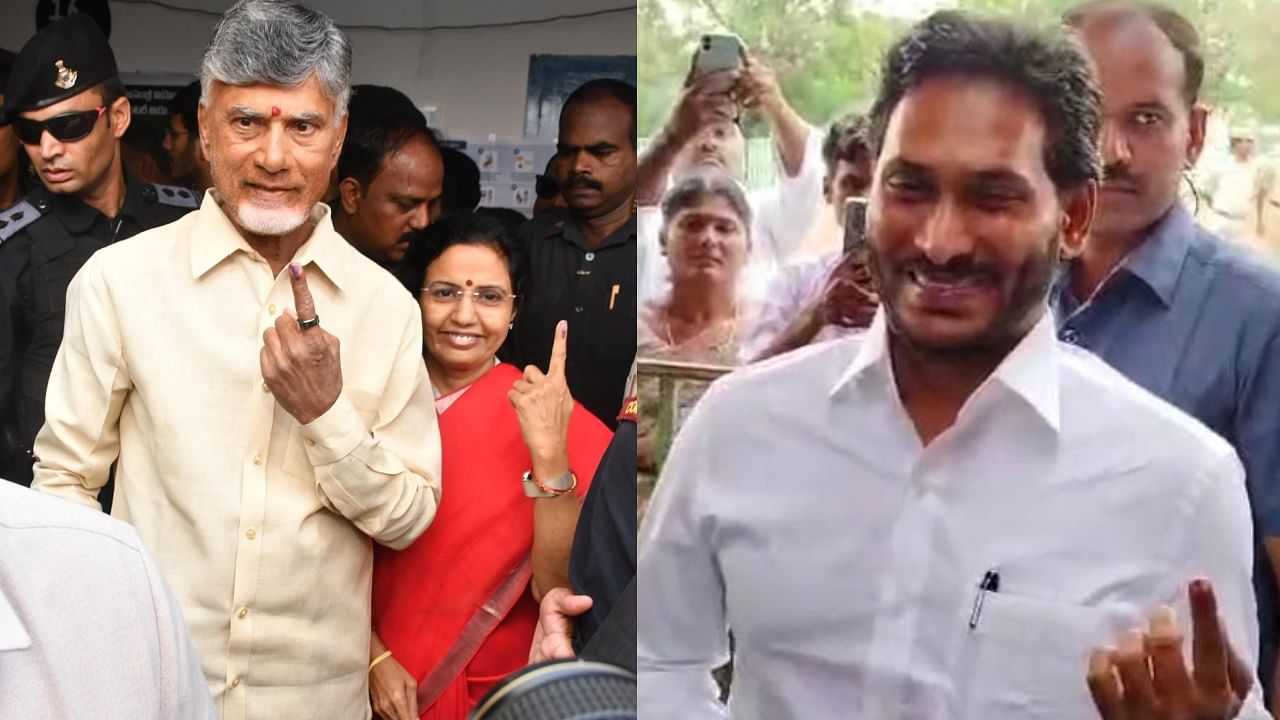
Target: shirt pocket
(1029, 657)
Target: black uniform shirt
(595, 290)
(46, 239)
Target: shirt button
(235, 682)
(257, 459)
(311, 443)
(244, 612)
(265, 388)
(578, 309)
(271, 309)
(251, 533)
(1071, 336)
(591, 256)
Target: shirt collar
(1158, 261)
(1029, 371)
(562, 224)
(13, 634)
(215, 238)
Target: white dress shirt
(88, 627)
(261, 525)
(799, 509)
(782, 213)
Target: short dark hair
(185, 104)
(846, 140)
(1181, 33)
(696, 188)
(471, 228)
(605, 89)
(111, 90)
(1048, 68)
(370, 141)
(461, 192)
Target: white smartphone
(717, 52)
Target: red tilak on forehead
(468, 283)
(275, 111)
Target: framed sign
(553, 77)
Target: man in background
(582, 259)
(65, 103)
(390, 177)
(828, 296)
(187, 164)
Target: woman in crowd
(706, 237)
(455, 612)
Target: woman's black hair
(465, 229)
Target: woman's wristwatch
(553, 487)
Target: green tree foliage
(826, 53)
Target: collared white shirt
(782, 213)
(88, 627)
(261, 526)
(799, 509)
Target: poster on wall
(149, 95)
(508, 169)
(553, 77)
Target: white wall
(476, 78)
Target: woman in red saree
(456, 611)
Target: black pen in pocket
(990, 583)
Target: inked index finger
(302, 302)
(1209, 646)
(559, 348)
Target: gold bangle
(379, 659)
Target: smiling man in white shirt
(952, 515)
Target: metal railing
(671, 376)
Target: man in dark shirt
(390, 178)
(68, 108)
(582, 259)
(1188, 316)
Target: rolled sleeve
(385, 479)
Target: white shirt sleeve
(653, 274)
(790, 292)
(785, 210)
(1219, 547)
(183, 691)
(683, 632)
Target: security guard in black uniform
(65, 102)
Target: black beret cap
(62, 60)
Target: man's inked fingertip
(295, 270)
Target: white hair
(278, 42)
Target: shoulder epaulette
(16, 218)
(171, 195)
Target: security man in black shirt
(65, 102)
(582, 259)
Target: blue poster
(553, 77)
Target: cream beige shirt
(262, 526)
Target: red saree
(425, 596)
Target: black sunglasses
(67, 127)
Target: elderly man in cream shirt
(257, 457)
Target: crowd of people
(387, 510)
(1006, 447)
